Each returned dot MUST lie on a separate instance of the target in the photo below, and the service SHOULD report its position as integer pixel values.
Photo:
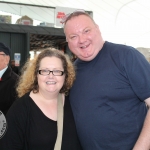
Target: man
(13, 67)
(112, 89)
(7, 80)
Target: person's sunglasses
(63, 19)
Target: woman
(32, 120)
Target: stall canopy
(122, 21)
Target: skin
(143, 142)
(50, 63)
(49, 87)
(4, 60)
(85, 41)
(12, 63)
(83, 37)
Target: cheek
(73, 47)
(39, 79)
(71, 44)
(91, 36)
(3, 62)
(0, 60)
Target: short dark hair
(77, 13)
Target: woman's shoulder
(24, 100)
(20, 105)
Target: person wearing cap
(8, 80)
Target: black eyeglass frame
(62, 72)
(63, 19)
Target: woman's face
(51, 83)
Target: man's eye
(87, 31)
(73, 37)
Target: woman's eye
(45, 71)
(56, 71)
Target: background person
(13, 67)
(110, 91)
(8, 80)
(32, 120)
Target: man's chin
(89, 58)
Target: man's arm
(143, 142)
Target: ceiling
(121, 21)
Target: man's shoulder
(9, 75)
(120, 50)
(118, 46)
(12, 79)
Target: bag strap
(60, 114)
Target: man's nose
(82, 38)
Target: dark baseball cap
(4, 48)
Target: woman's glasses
(54, 72)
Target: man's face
(4, 60)
(83, 37)
(13, 63)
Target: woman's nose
(51, 75)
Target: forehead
(78, 22)
(55, 61)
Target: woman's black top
(29, 129)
